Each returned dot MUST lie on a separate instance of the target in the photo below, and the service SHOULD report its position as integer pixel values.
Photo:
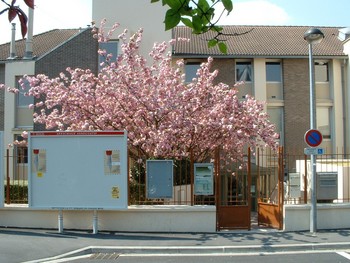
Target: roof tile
(268, 41)
(42, 43)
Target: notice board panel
(78, 170)
(203, 179)
(159, 179)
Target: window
(321, 72)
(276, 117)
(111, 47)
(244, 71)
(273, 72)
(191, 70)
(21, 152)
(21, 99)
(323, 116)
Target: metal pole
(313, 211)
(8, 186)
(95, 222)
(60, 221)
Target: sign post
(313, 138)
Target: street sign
(314, 151)
(313, 138)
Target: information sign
(159, 179)
(313, 151)
(203, 179)
(78, 170)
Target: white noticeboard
(78, 170)
(203, 179)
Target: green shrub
(18, 194)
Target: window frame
(191, 63)
(329, 110)
(267, 63)
(248, 67)
(23, 101)
(321, 64)
(104, 46)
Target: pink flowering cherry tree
(165, 117)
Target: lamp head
(313, 36)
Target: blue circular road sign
(313, 138)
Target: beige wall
(329, 216)
(192, 219)
(14, 69)
(294, 97)
(337, 95)
(133, 15)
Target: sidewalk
(30, 245)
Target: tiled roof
(42, 43)
(265, 41)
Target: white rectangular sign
(313, 151)
(78, 170)
(203, 179)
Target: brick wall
(296, 103)
(79, 52)
(226, 69)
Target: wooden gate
(233, 195)
(270, 178)
(234, 190)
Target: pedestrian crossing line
(344, 254)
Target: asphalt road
(40, 245)
(290, 257)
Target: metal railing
(333, 180)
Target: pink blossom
(164, 116)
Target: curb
(193, 250)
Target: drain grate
(104, 256)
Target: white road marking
(344, 254)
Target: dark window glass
(111, 47)
(273, 72)
(191, 71)
(244, 71)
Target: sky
(62, 14)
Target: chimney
(29, 41)
(13, 43)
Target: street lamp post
(313, 36)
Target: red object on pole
(313, 138)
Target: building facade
(273, 63)
(53, 52)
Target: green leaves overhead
(172, 19)
(197, 15)
(228, 5)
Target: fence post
(305, 180)
(192, 176)
(258, 184)
(249, 188)
(8, 199)
(281, 185)
(217, 185)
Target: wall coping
(132, 208)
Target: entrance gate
(257, 183)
